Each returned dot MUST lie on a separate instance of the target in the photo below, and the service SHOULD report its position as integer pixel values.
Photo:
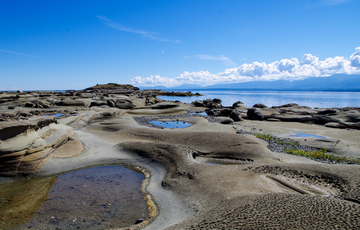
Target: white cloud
(355, 58)
(285, 69)
(287, 65)
(325, 3)
(308, 59)
(225, 60)
(12, 52)
(332, 2)
(155, 80)
(147, 34)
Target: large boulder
(254, 114)
(225, 112)
(236, 116)
(227, 121)
(214, 103)
(211, 112)
(259, 105)
(198, 103)
(239, 106)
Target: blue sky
(77, 44)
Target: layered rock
(25, 145)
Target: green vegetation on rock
(277, 140)
(291, 148)
(111, 86)
(322, 155)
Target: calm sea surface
(275, 98)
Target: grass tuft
(323, 155)
(277, 140)
(291, 148)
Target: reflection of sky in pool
(306, 135)
(55, 115)
(199, 113)
(94, 198)
(171, 124)
(222, 161)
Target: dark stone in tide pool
(138, 221)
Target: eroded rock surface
(261, 189)
(25, 145)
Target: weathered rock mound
(25, 145)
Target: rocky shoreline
(109, 124)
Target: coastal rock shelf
(104, 125)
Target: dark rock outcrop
(124, 104)
(214, 103)
(236, 115)
(259, 105)
(36, 104)
(70, 103)
(98, 103)
(227, 121)
(254, 114)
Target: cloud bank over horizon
(285, 69)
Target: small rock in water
(138, 221)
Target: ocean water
(320, 99)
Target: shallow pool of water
(296, 134)
(55, 115)
(171, 124)
(199, 113)
(222, 161)
(93, 198)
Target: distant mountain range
(338, 82)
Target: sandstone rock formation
(25, 145)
